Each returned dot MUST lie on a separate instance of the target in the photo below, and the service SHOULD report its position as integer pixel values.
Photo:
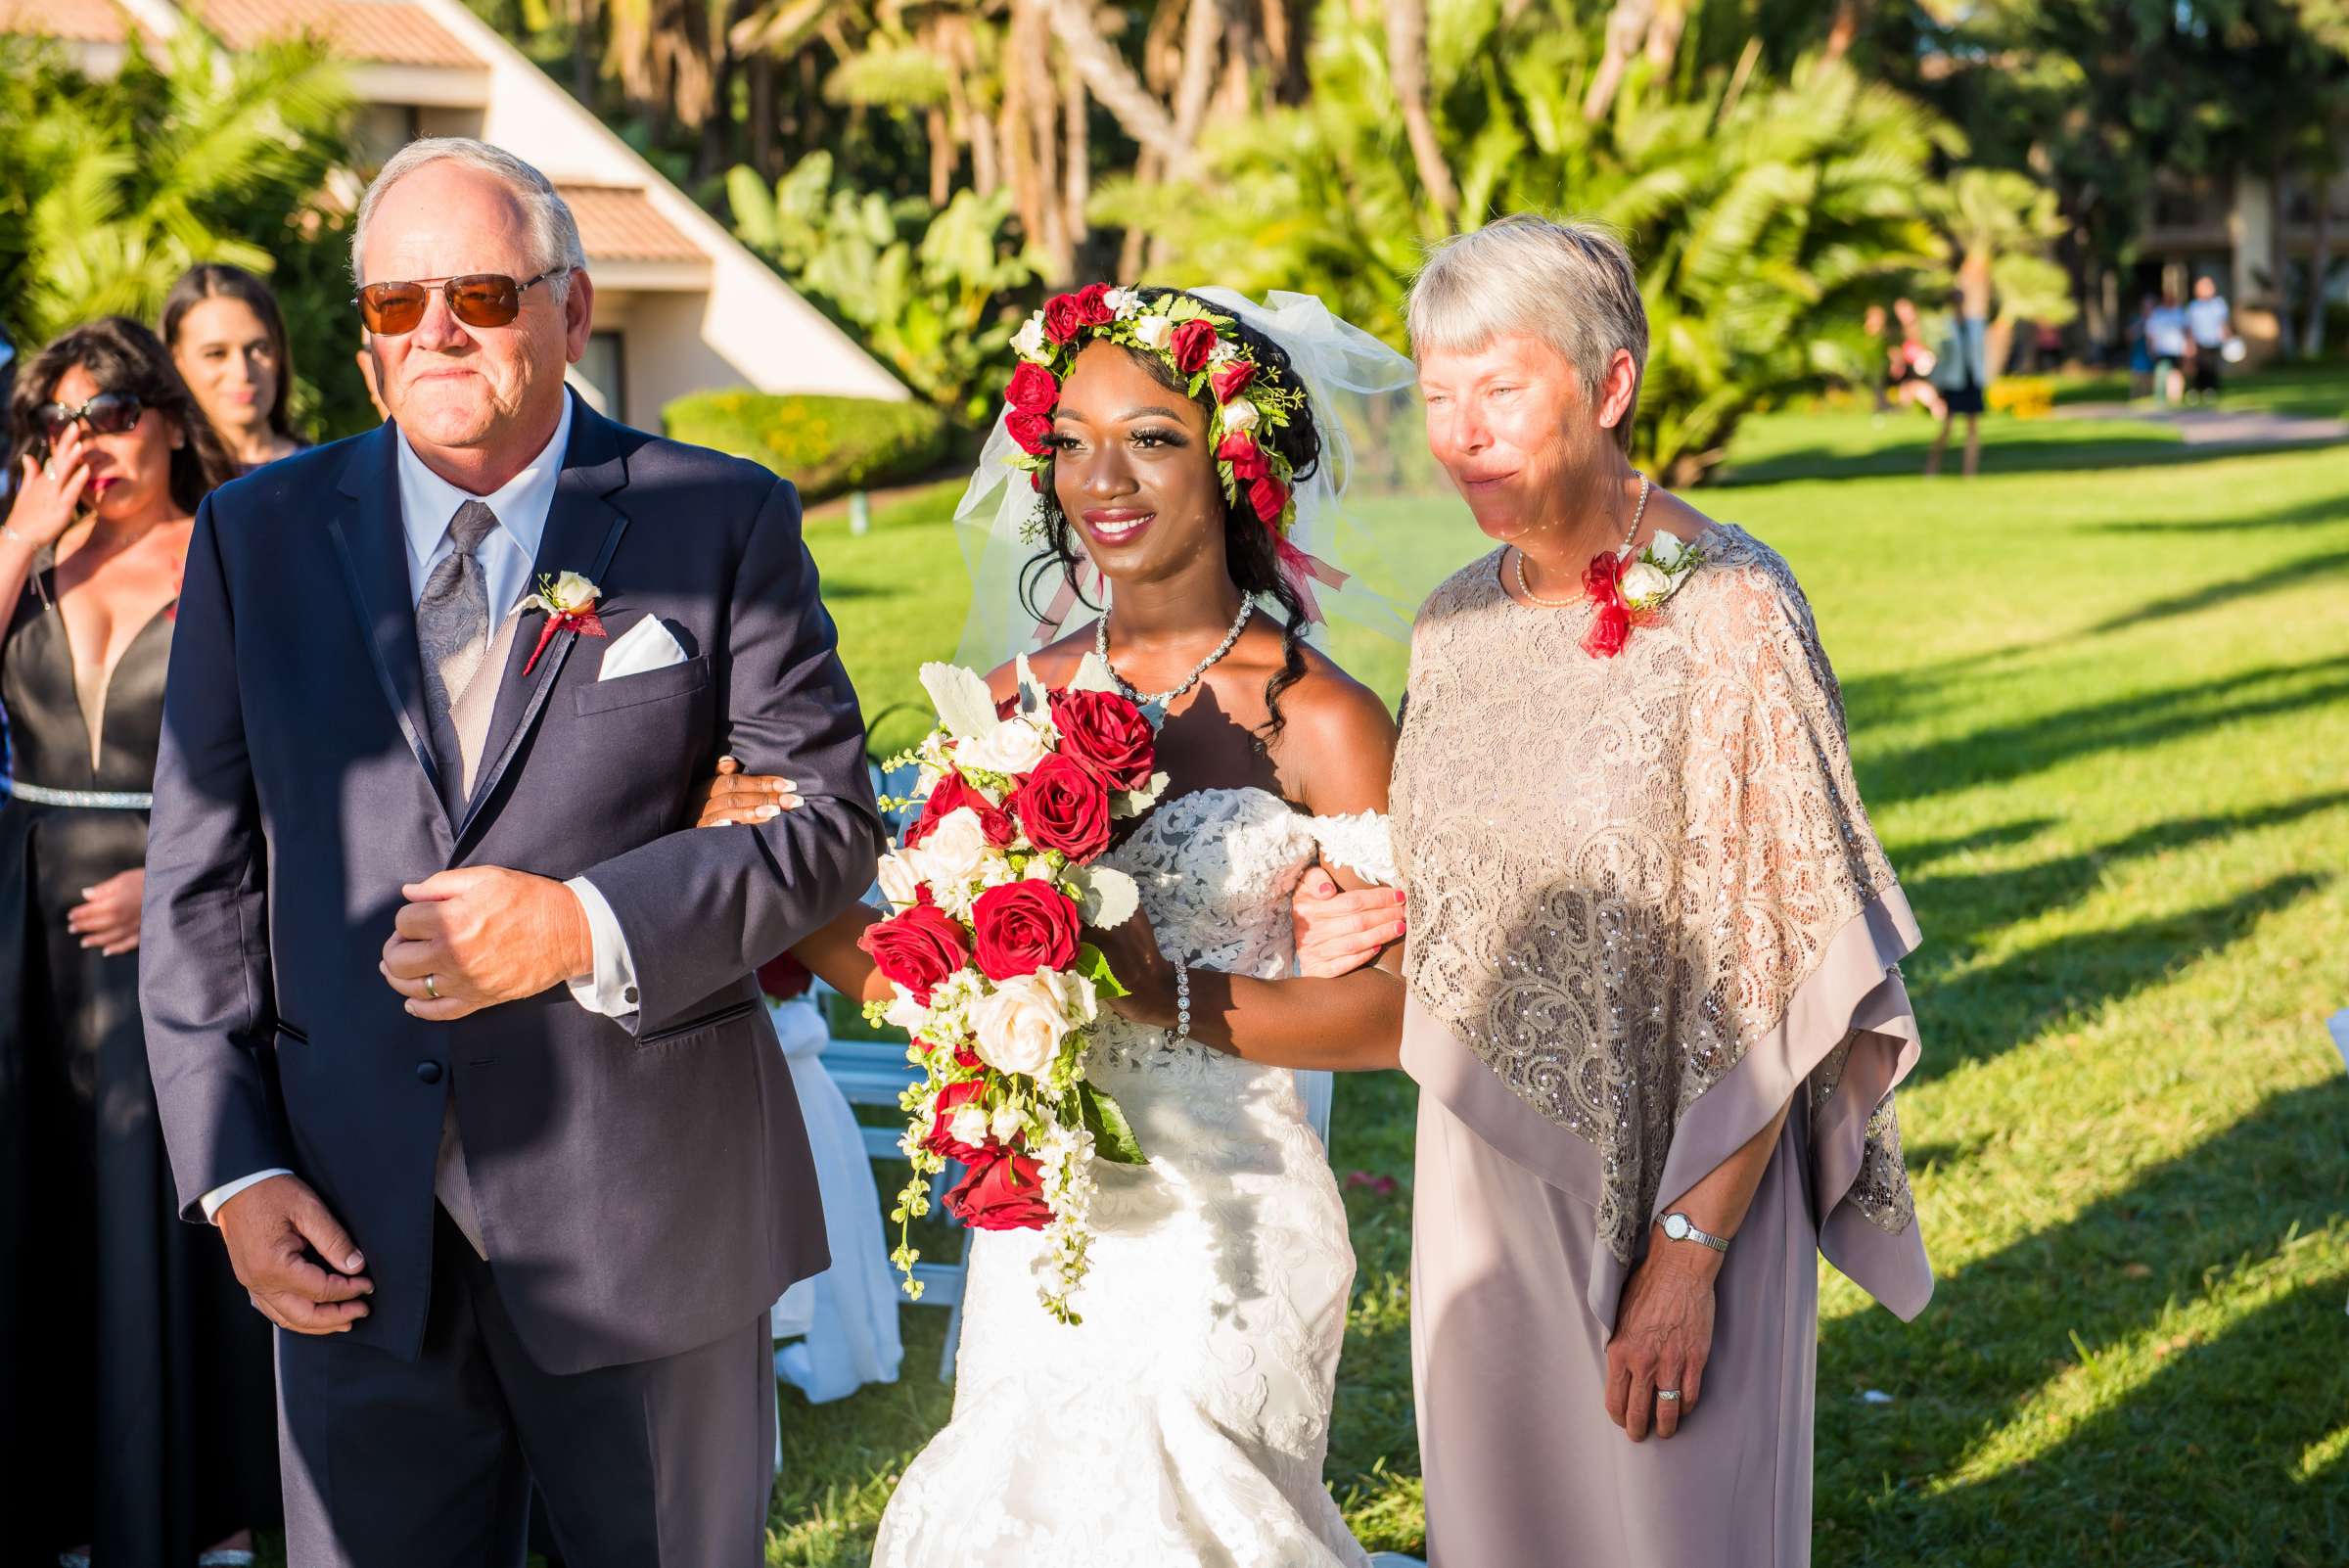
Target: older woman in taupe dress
(1656, 1011)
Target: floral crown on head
(1201, 346)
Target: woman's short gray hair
(554, 232)
(1569, 283)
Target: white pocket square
(644, 646)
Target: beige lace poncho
(1645, 898)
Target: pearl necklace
(1161, 699)
(1568, 604)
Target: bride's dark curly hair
(1248, 544)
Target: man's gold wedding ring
(430, 990)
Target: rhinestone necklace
(1161, 699)
(1567, 604)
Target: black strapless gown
(137, 1410)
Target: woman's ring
(433, 991)
(1668, 1393)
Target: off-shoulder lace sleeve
(1359, 844)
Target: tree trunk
(2280, 266)
(941, 157)
(1045, 108)
(1133, 248)
(1626, 30)
(1111, 80)
(1406, 69)
(1202, 47)
(763, 157)
(2320, 262)
(583, 51)
(1076, 180)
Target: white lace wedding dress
(1183, 1424)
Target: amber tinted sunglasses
(478, 299)
(106, 414)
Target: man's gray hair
(1569, 283)
(554, 232)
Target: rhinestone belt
(90, 799)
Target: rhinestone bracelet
(1181, 1032)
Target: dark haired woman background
(227, 338)
(135, 1402)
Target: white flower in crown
(1123, 304)
(1643, 585)
(1154, 333)
(1028, 342)
(1239, 415)
(1224, 353)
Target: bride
(1186, 1419)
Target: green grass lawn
(2101, 703)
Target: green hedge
(825, 446)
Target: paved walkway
(2221, 425)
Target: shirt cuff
(214, 1199)
(610, 986)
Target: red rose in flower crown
(1191, 345)
(941, 1139)
(1068, 315)
(916, 950)
(1034, 431)
(1247, 459)
(1107, 735)
(954, 793)
(1005, 1191)
(1022, 927)
(1064, 807)
(1232, 378)
(1033, 390)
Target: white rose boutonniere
(1643, 585)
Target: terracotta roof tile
(98, 21)
(619, 223)
(383, 31)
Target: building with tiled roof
(667, 274)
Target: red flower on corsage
(569, 603)
(1611, 627)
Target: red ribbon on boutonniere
(569, 603)
(1611, 627)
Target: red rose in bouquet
(1022, 927)
(1005, 1191)
(916, 950)
(1064, 807)
(1247, 459)
(1107, 735)
(941, 1140)
(784, 977)
(1068, 315)
(1228, 381)
(1033, 390)
(1034, 431)
(1270, 497)
(1191, 345)
(952, 794)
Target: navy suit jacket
(644, 1184)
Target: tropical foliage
(111, 187)
(824, 446)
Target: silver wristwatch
(1676, 1227)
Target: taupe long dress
(1647, 909)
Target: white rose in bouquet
(906, 1014)
(1021, 1026)
(1645, 584)
(968, 1125)
(1012, 747)
(948, 859)
(899, 884)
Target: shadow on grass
(2283, 575)
(2325, 509)
(2182, 1468)
(1982, 1013)
(2007, 752)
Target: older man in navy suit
(451, 1017)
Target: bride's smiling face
(1131, 467)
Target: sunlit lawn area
(2100, 699)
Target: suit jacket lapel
(582, 532)
(374, 547)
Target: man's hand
(271, 1227)
(108, 918)
(1337, 933)
(482, 935)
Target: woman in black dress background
(135, 1393)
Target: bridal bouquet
(989, 890)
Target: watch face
(1676, 1225)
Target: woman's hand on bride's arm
(1338, 932)
(1146, 974)
(739, 797)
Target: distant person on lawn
(2209, 324)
